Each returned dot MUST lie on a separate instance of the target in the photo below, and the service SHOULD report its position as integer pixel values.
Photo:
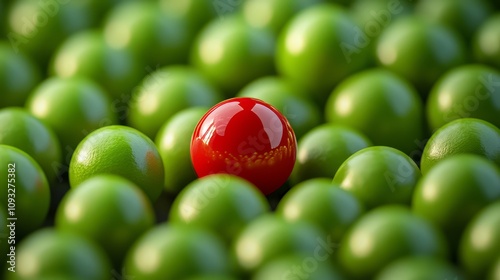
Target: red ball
(248, 138)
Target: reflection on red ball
(248, 138)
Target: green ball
(22, 130)
(109, 210)
(273, 14)
(486, 42)
(381, 105)
(384, 235)
(167, 91)
(87, 54)
(176, 252)
(420, 267)
(323, 204)
(222, 203)
(231, 53)
(72, 107)
(464, 92)
(480, 243)
(462, 136)
(292, 102)
(52, 254)
(26, 190)
(454, 191)
(317, 49)
(419, 50)
(323, 149)
(156, 37)
(299, 266)
(18, 76)
(38, 27)
(270, 236)
(379, 175)
(173, 142)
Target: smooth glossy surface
(419, 268)
(419, 51)
(270, 236)
(173, 141)
(473, 136)
(176, 252)
(465, 92)
(385, 235)
(232, 53)
(119, 150)
(49, 254)
(28, 189)
(72, 107)
(222, 203)
(87, 54)
(480, 243)
(323, 150)
(167, 91)
(455, 190)
(295, 266)
(323, 204)
(379, 175)
(318, 49)
(22, 130)
(108, 209)
(248, 138)
(380, 104)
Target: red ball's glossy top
(248, 138)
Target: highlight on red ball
(248, 138)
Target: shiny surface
(173, 141)
(72, 107)
(420, 267)
(232, 54)
(323, 204)
(379, 175)
(465, 92)
(22, 130)
(419, 51)
(176, 252)
(317, 49)
(108, 209)
(480, 243)
(462, 136)
(380, 104)
(323, 149)
(49, 253)
(167, 91)
(248, 138)
(486, 42)
(270, 236)
(87, 54)
(31, 189)
(236, 203)
(384, 235)
(122, 151)
(455, 190)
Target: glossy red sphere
(248, 138)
